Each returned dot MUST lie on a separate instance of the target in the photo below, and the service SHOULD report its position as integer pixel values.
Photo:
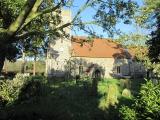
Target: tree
(150, 19)
(23, 20)
(16, 29)
(36, 50)
(154, 43)
(133, 39)
(154, 48)
(146, 15)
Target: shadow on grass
(113, 111)
(65, 100)
(59, 101)
(115, 88)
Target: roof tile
(97, 48)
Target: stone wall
(59, 51)
(107, 66)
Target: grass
(65, 100)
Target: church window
(118, 69)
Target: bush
(146, 106)
(9, 89)
(84, 80)
(30, 89)
(127, 113)
(19, 89)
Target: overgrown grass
(65, 100)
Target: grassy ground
(65, 100)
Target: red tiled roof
(97, 48)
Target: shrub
(127, 113)
(19, 89)
(9, 89)
(39, 78)
(30, 89)
(147, 104)
(84, 80)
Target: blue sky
(87, 16)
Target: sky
(87, 16)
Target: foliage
(30, 89)
(151, 58)
(24, 27)
(147, 14)
(85, 77)
(127, 113)
(8, 14)
(86, 80)
(10, 89)
(144, 19)
(148, 102)
(109, 13)
(146, 106)
(154, 43)
(149, 17)
(141, 55)
(133, 39)
(20, 89)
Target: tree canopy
(154, 42)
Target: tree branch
(32, 14)
(85, 5)
(36, 14)
(13, 28)
(30, 33)
(26, 34)
(86, 23)
(36, 32)
(62, 26)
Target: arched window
(97, 73)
